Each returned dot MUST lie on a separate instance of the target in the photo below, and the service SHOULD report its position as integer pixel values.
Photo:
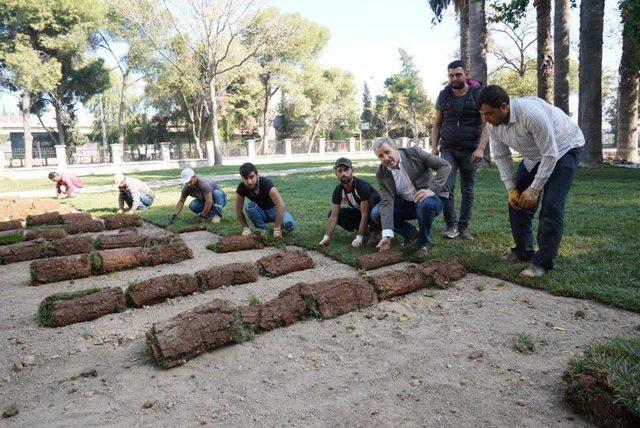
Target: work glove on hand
(325, 240)
(277, 232)
(246, 231)
(357, 241)
(120, 211)
(529, 198)
(173, 218)
(514, 199)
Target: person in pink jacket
(66, 183)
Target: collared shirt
(404, 188)
(540, 132)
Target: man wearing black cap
(360, 197)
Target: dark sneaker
(510, 258)
(466, 235)
(533, 271)
(451, 232)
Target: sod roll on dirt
(23, 251)
(328, 299)
(84, 226)
(379, 259)
(398, 282)
(284, 262)
(228, 244)
(42, 219)
(121, 221)
(69, 308)
(231, 274)
(157, 290)
(76, 218)
(176, 340)
(61, 268)
(125, 238)
(53, 233)
(10, 225)
(76, 244)
(11, 236)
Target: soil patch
(20, 208)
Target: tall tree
(627, 147)
(545, 51)
(211, 29)
(478, 30)
(561, 55)
(367, 113)
(590, 75)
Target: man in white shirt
(551, 145)
(408, 191)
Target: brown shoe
(510, 258)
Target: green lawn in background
(165, 174)
(599, 256)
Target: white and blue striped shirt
(540, 132)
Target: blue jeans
(219, 201)
(260, 217)
(425, 211)
(143, 201)
(459, 160)
(551, 218)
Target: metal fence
(141, 153)
(42, 156)
(84, 156)
(336, 146)
(303, 146)
(186, 151)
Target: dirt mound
(20, 208)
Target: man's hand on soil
(246, 231)
(120, 211)
(357, 242)
(173, 218)
(325, 240)
(277, 232)
(384, 244)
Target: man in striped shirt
(551, 146)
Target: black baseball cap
(343, 161)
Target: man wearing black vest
(457, 127)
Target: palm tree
(478, 30)
(627, 148)
(590, 80)
(462, 9)
(545, 54)
(561, 55)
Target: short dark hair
(457, 63)
(493, 95)
(247, 168)
(52, 175)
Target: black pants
(459, 160)
(349, 219)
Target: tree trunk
(121, 108)
(217, 155)
(590, 77)
(478, 52)
(103, 127)
(59, 109)
(265, 108)
(561, 55)
(312, 137)
(465, 54)
(545, 54)
(627, 148)
(28, 138)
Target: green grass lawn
(599, 256)
(164, 174)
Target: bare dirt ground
(20, 208)
(432, 358)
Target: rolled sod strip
(53, 233)
(284, 262)
(231, 274)
(398, 282)
(176, 340)
(42, 219)
(10, 225)
(157, 290)
(172, 252)
(76, 244)
(379, 259)
(192, 228)
(69, 308)
(76, 218)
(121, 221)
(122, 258)
(126, 238)
(23, 251)
(228, 244)
(328, 299)
(441, 272)
(61, 268)
(286, 309)
(11, 237)
(84, 226)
